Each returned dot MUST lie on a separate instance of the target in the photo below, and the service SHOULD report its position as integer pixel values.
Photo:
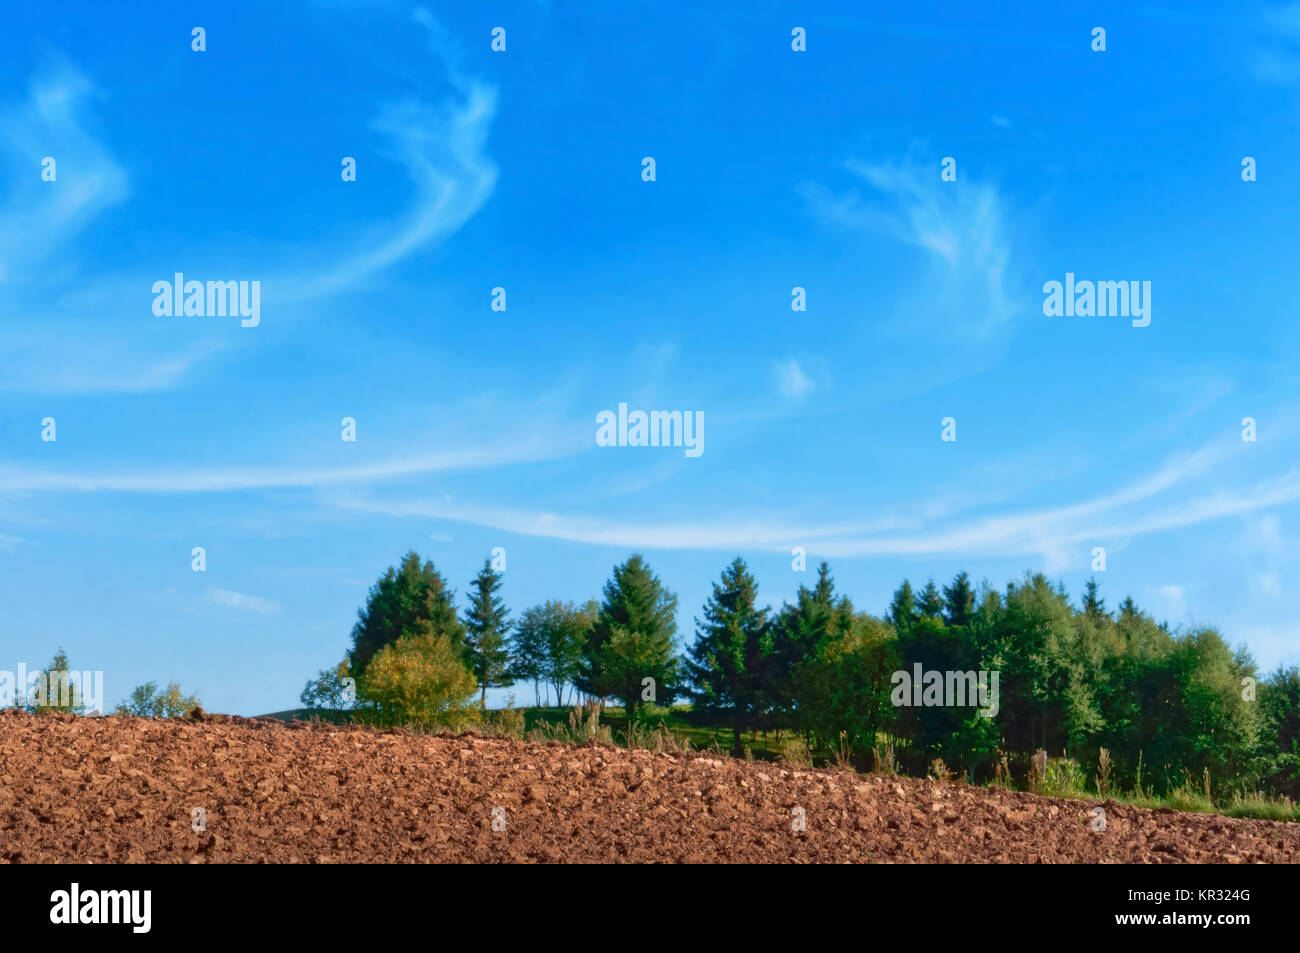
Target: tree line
(1072, 679)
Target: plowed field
(113, 790)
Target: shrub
(882, 759)
(842, 753)
(420, 678)
(794, 752)
(1103, 772)
(1188, 796)
(1061, 777)
(939, 771)
(1002, 770)
(147, 701)
(505, 722)
(584, 725)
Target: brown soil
(122, 790)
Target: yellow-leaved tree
(420, 678)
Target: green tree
(845, 686)
(566, 640)
(1135, 690)
(902, 608)
(334, 688)
(487, 632)
(403, 598)
(930, 604)
(799, 630)
(1094, 607)
(528, 650)
(727, 662)
(147, 701)
(930, 644)
(632, 638)
(57, 689)
(1212, 727)
(959, 599)
(1048, 670)
(549, 642)
(1279, 699)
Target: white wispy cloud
(238, 600)
(37, 217)
(443, 149)
(756, 534)
(962, 230)
(440, 141)
(792, 383)
(1145, 506)
(92, 361)
(231, 479)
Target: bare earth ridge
(113, 790)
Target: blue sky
(522, 169)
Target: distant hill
(333, 715)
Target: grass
(692, 730)
(661, 729)
(1262, 807)
(1064, 778)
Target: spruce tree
(1128, 610)
(960, 600)
(397, 604)
(930, 604)
(902, 608)
(731, 646)
(487, 632)
(1094, 607)
(799, 631)
(632, 639)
